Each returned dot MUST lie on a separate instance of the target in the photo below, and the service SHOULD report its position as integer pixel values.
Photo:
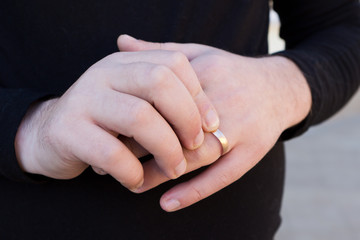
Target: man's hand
(256, 99)
(153, 97)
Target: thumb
(191, 50)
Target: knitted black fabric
(46, 45)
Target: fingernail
(199, 139)
(212, 120)
(181, 168)
(171, 205)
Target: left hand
(256, 99)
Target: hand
(142, 95)
(256, 99)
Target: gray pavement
(322, 191)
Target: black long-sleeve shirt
(46, 45)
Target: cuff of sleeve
(14, 104)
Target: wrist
(26, 137)
(290, 85)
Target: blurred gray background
(322, 189)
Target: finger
(222, 173)
(137, 119)
(133, 146)
(103, 151)
(180, 65)
(208, 153)
(159, 86)
(191, 50)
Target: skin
(256, 99)
(152, 97)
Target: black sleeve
(13, 106)
(323, 38)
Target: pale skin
(256, 100)
(152, 97)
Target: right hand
(153, 97)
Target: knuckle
(110, 156)
(160, 77)
(215, 68)
(140, 113)
(216, 63)
(177, 59)
(198, 194)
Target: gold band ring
(223, 141)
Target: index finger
(222, 173)
(191, 50)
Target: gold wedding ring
(223, 141)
